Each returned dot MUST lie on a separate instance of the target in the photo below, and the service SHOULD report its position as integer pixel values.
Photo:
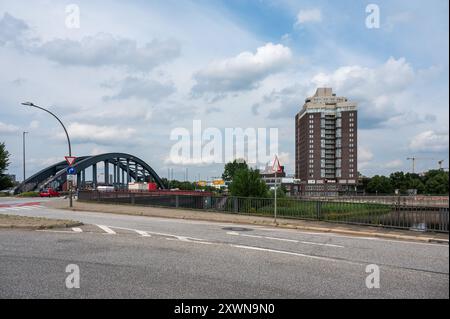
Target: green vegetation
(5, 181)
(29, 194)
(433, 182)
(231, 168)
(248, 183)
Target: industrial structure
(124, 168)
(326, 141)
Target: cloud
(145, 89)
(380, 91)
(242, 72)
(8, 128)
(102, 49)
(103, 135)
(107, 50)
(393, 164)
(430, 141)
(11, 30)
(308, 16)
(364, 154)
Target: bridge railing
(393, 215)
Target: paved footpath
(121, 255)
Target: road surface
(122, 256)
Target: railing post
(235, 204)
(133, 200)
(177, 201)
(319, 210)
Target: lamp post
(67, 135)
(23, 147)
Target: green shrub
(29, 194)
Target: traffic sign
(71, 178)
(276, 167)
(70, 159)
(71, 171)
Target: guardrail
(394, 215)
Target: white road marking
(77, 229)
(178, 237)
(106, 229)
(290, 253)
(143, 233)
(284, 239)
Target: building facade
(326, 139)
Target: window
(338, 172)
(311, 136)
(322, 172)
(338, 152)
(338, 142)
(338, 122)
(338, 132)
(311, 116)
(311, 131)
(322, 143)
(322, 163)
(322, 133)
(311, 161)
(338, 163)
(311, 151)
(352, 114)
(311, 126)
(322, 153)
(311, 146)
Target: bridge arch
(118, 169)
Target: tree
(436, 182)
(380, 185)
(248, 183)
(231, 168)
(5, 181)
(281, 192)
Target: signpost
(276, 167)
(71, 171)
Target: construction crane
(413, 159)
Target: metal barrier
(395, 215)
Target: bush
(29, 194)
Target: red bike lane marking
(19, 204)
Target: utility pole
(23, 146)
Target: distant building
(289, 182)
(326, 141)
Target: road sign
(70, 159)
(70, 178)
(276, 167)
(71, 171)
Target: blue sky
(135, 71)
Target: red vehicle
(48, 192)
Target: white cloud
(146, 89)
(393, 164)
(242, 72)
(104, 135)
(8, 128)
(101, 49)
(380, 91)
(308, 16)
(364, 154)
(106, 49)
(430, 141)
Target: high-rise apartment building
(326, 141)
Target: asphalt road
(121, 256)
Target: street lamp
(23, 146)
(67, 135)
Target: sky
(124, 76)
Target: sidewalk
(314, 226)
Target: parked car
(48, 192)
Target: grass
(317, 210)
(29, 194)
(24, 222)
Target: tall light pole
(67, 135)
(23, 147)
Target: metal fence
(395, 215)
